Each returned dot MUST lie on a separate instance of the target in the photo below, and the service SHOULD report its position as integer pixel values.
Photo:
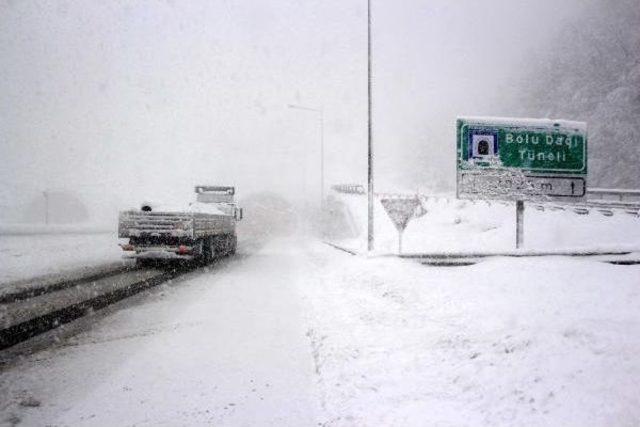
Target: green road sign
(521, 158)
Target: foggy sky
(125, 101)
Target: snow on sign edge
(525, 122)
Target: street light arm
(300, 107)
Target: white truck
(204, 230)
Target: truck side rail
(137, 223)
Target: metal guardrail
(605, 201)
(609, 193)
(604, 207)
(349, 188)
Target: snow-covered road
(223, 347)
(297, 333)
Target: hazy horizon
(119, 103)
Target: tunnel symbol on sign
(483, 145)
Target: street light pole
(46, 206)
(370, 235)
(320, 111)
(321, 158)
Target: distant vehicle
(201, 231)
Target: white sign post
(519, 224)
(400, 210)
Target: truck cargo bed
(173, 224)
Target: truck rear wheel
(208, 250)
(144, 262)
(233, 245)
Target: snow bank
(466, 226)
(30, 229)
(27, 256)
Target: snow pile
(27, 256)
(31, 229)
(526, 122)
(505, 342)
(193, 207)
(465, 226)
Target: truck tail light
(127, 247)
(183, 250)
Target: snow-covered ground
(459, 225)
(29, 255)
(505, 342)
(298, 333)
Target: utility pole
(370, 235)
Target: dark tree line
(592, 73)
